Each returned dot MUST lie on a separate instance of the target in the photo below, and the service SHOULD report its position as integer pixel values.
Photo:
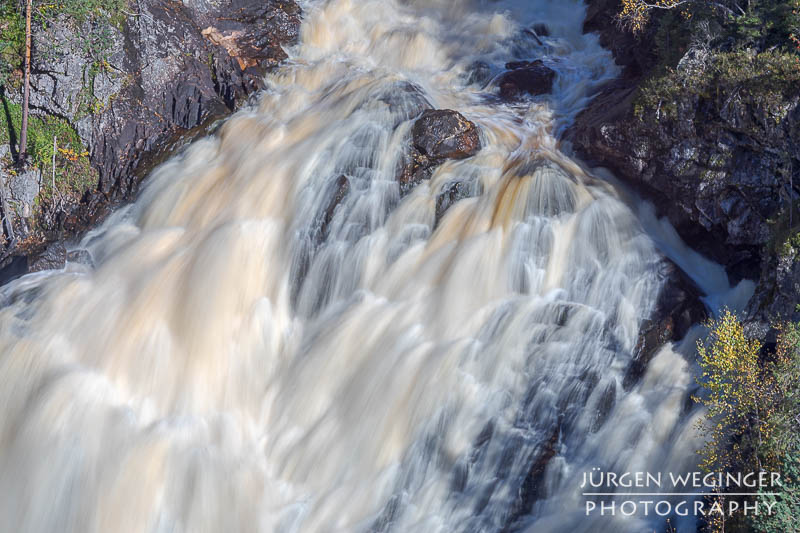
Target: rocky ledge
(715, 145)
(171, 69)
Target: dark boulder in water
(437, 135)
(453, 192)
(445, 134)
(678, 308)
(54, 257)
(530, 78)
(541, 29)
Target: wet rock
(604, 406)
(80, 256)
(404, 100)
(13, 267)
(341, 188)
(445, 134)
(633, 52)
(678, 308)
(437, 135)
(452, 193)
(541, 29)
(525, 78)
(54, 257)
(479, 73)
(532, 488)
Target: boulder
(445, 134)
(437, 135)
(24, 188)
(530, 78)
(678, 308)
(54, 257)
(541, 29)
(452, 192)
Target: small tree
(737, 399)
(636, 13)
(752, 421)
(23, 134)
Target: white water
(227, 367)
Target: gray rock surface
(722, 165)
(24, 187)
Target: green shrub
(73, 173)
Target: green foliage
(756, 24)
(766, 78)
(736, 389)
(766, 24)
(784, 443)
(74, 174)
(92, 22)
(753, 414)
(12, 40)
(786, 505)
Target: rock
(776, 296)
(172, 69)
(13, 267)
(81, 256)
(169, 70)
(445, 134)
(677, 309)
(525, 78)
(633, 52)
(533, 486)
(65, 82)
(437, 135)
(188, 64)
(54, 257)
(720, 177)
(453, 192)
(341, 188)
(716, 159)
(479, 73)
(414, 167)
(24, 188)
(541, 29)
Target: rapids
(232, 363)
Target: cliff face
(169, 70)
(715, 144)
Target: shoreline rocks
(715, 162)
(171, 70)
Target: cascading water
(244, 357)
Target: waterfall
(275, 338)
